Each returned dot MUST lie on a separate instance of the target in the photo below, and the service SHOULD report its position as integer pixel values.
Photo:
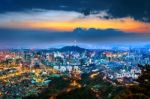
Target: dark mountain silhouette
(72, 48)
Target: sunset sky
(33, 23)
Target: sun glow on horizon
(52, 20)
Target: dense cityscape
(74, 49)
(28, 72)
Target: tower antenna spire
(75, 43)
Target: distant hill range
(69, 48)
(72, 48)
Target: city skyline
(74, 49)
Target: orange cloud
(74, 20)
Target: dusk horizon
(34, 23)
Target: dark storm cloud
(139, 9)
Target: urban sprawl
(24, 72)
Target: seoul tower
(75, 43)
